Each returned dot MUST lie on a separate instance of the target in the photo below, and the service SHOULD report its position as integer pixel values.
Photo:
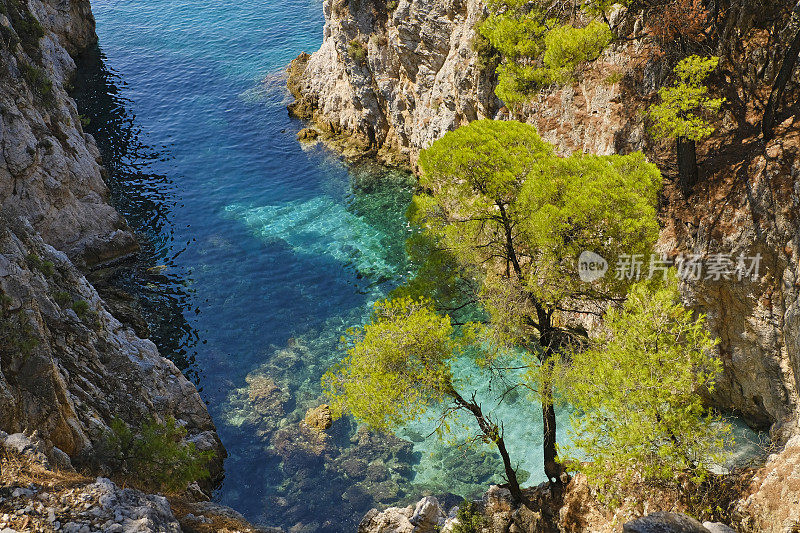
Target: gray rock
(61, 460)
(50, 171)
(718, 527)
(662, 522)
(429, 78)
(428, 515)
(82, 373)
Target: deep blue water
(258, 254)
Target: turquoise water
(258, 254)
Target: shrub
(534, 49)
(357, 51)
(62, 298)
(37, 80)
(17, 336)
(45, 267)
(26, 27)
(81, 308)
(470, 518)
(157, 457)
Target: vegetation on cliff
(683, 113)
(155, 457)
(507, 219)
(636, 415)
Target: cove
(259, 253)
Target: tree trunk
(776, 95)
(494, 434)
(687, 164)
(511, 474)
(552, 468)
(547, 340)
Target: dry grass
(16, 470)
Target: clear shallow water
(259, 254)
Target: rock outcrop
(427, 516)
(38, 496)
(772, 502)
(67, 367)
(50, 171)
(664, 523)
(391, 81)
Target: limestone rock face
(426, 516)
(50, 171)
(71, 21)
(37, 496)
(394, 80)
(67, 367)
(756, 318)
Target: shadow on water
(139, 290)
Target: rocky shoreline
(68, 366)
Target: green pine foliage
(538, 50)
(501, 221)
(685, 106)
(490, 174)
(157, 457)
(396, 365)
(638, 415)
(567, 47)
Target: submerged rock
(319, 418)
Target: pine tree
(504, 221)
(682, 113)
(638, 414)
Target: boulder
(428, 515)
(662, 522)
(307, 134)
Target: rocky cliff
(67, 366)
(50, 171)
(39, 494)
(394, 80)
